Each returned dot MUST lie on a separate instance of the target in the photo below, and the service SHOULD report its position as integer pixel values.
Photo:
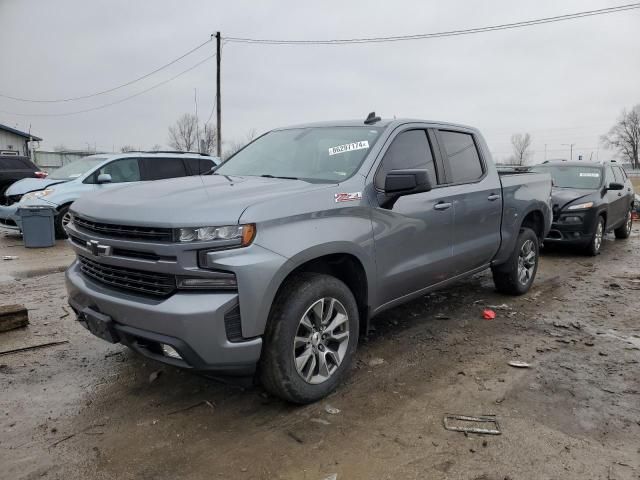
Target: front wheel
(311, 338)
(624, 230)
(60, 221)
(593, 248)
(515, 276)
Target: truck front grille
(124, 231)
(151, 283)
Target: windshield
(323, 154)
(75, 169)
(587, 178)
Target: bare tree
(624, 136)
(183, 135)
(237, 145)
(208, 137)
(128, 148)
(156, 148)
(521, 144)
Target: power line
(113, 89)
(99, 107)
(451, 33)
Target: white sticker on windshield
(348, 147)
(588, 174)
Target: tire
(516, 275)
(595, 244)
(624, 230)
(289, 343)
(60, 220)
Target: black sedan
(589, 199)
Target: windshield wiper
(276, 176)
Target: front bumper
(9, 217)
(572, 227)
(192, 323)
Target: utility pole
(571, 149)
(218, 107)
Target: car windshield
(572, 176)
(315, 154)
(75, 169)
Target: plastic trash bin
(37, 226)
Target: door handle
(442, 205)
(493, 197)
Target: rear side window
(15, 164)
(198, 166)
(160, 168)
(409, 149)
(463, 159)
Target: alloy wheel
(597, 241)
(321, 340)
(526, 262)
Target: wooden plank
(13, 316)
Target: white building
(15, 142)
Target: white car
(93, 174)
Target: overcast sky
(563, 82)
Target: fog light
(218, 280)
(169, 351)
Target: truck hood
(27, 185)
(188, 201)
(563, 196)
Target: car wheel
(311, 338)
(623, 231)
(60, 221)
(515, 276)
(593, 248)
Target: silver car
(93, 174)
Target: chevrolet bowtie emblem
(97, 249)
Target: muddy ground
(86, 409)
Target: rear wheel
(311, 338)
(515, 276)
(593, 248)
(623, 231)
(61, 220)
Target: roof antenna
(371, 119)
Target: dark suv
(589, 199)
(14, 168)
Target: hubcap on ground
(597, 241)
(526, 262)
(321, 340)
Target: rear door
(623, 197)
(160, 168)
(412, 236)
(476, 197)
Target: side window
(198, 166)
(121, 171)
(619, 174)
(160, 168)
(463, 159)
(409, 149)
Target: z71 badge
(347, 197)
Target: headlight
(580, 206)
(38, 194)
(228, 236)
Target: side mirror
(406, 182)
(615, 186)
(104, 178)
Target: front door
(413, 236)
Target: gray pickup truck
(272, 265)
